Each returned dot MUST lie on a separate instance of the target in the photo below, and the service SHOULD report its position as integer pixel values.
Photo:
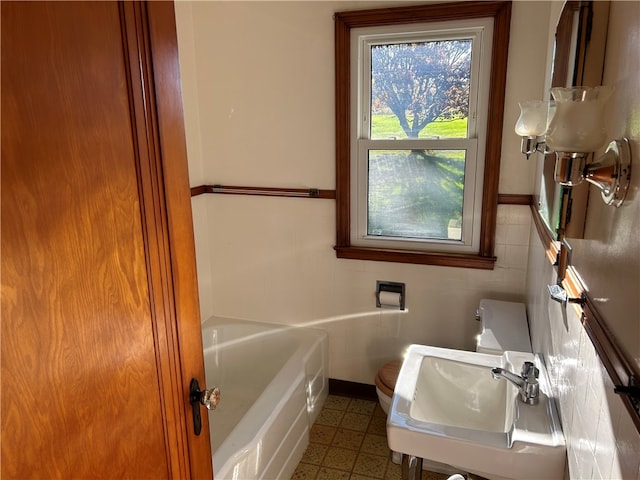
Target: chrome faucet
(527, 382)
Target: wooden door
(100, 322)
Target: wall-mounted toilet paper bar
(390, 295)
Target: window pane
(415, 193)
(420, 90)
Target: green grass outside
(415, 195)
(387, 126)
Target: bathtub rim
(270, 401)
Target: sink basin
(460, 394)
(448, 408)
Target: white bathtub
(273, 383)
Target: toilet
(385, 383)
(503, 326)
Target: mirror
(578, 60)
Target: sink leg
(411, 467)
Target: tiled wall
(602, 442)
(512, 238)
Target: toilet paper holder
(397, 302)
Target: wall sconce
(532, 125)
(573, 128)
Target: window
(419, 102)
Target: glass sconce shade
(575, 130)
(533, 118)
(578, 123)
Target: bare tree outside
(421, 82)
(418, 90)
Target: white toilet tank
(503, 326)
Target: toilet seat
(387, 377)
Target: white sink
(448, 408)
(460, 394)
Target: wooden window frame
(500, 11)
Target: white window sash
(480, 32)
(471, 197)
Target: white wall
(258, 94)
(258, 88)
(602, 442)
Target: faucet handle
(529, 371)
(531, 389)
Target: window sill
(419, 258)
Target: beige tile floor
(349, 442)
